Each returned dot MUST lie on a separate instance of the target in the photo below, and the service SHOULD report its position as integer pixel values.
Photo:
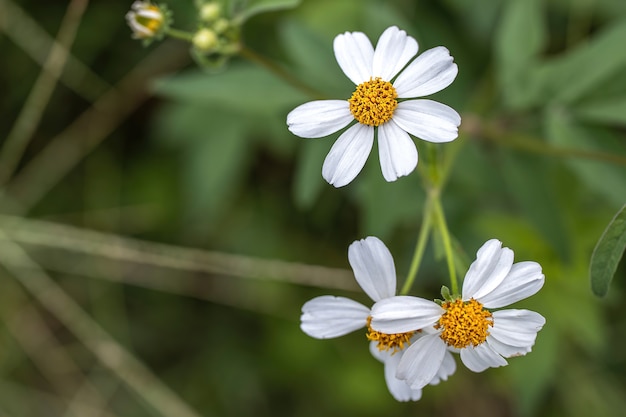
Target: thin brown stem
(280, 72)
(474, 126)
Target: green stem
(180, 34)
(419, 247)
(442, 228)
(528, 143)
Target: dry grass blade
(111, 354)
(112, 246)
(35, 42)
(89, 129)
(32, 111)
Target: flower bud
(205, 40)
(209, 12)
(145, 19)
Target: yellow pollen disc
(373, 102)
(395, 341)
(464, 323)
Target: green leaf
(308, 181)
(242, 88)
(607, 254)
(254, 7)
(579, 72)
(215, 157)
(387, 205)
(610, 111)
(314, 59)
(528, 182)
(600, 177)
(521, 36)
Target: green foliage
(607, 254)
(208, 163)
(602, 178)
(245, 9)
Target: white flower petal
(430, 72)
(348, 155)
(428, 120)
(492, 264)
(403, 314)
(380, 355)
(328, 316)
(398, 388)
(393, 51)
(149, 14)
(373, 267)
(138, 29)
(514, 331)
(421, 361)
(447, 368)
(354, 54)
(319, 118)
(523, 280)
(397, 152)
(481, 357)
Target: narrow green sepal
(445, 293)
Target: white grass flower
(329, 316)
(482, 337)
(383, 104)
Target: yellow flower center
(395, 341)
(151, 23)
(373, 102)
(464, 323)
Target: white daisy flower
(383, 103)
(329, 316)
(465, 325)
(145, 19)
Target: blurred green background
(163, 227)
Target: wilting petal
(481, 357)
(421, 361)
(348, 155)
(430, 72)
(492, 264)
(403, 314)
(354, 54)
(393, 50)
(523, 280)
(320, 118)
(397, 152)
(428, 120)
(373, 267)
(328, 316)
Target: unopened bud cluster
(212, 43)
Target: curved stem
(419, 247)
(442, 228)
(280, 72)
(180, 34)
